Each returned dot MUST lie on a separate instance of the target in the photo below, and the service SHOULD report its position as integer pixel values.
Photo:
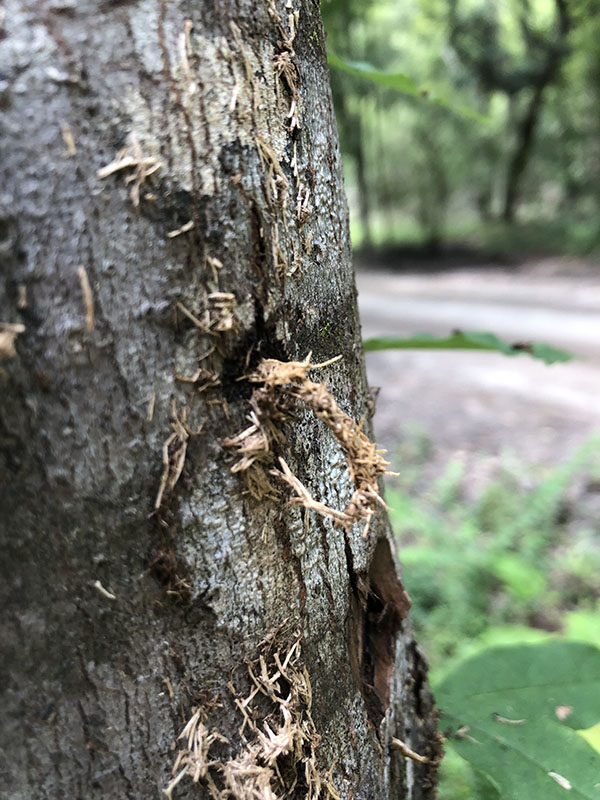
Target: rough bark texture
(232, 99)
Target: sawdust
(274, 753)
(285, 388)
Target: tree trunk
(435, 189)
(520, 157)
(364, 205)
(172, 213)
(526, 128)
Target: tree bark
(172, 213)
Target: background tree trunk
(520, 157)
(120, 618)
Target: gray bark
(99, 678)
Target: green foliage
(584, 625)
(522, 582)
(411, 164)
(460, 782)
(399, 82)
(511, 713)
(489, 239)
(482, 570)
(502, 558)
(569, 234)
(468, 340)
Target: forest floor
(481, 408)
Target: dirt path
(481, 406)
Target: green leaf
(583, 624)
(592, 736)
(468, 340)
(549, 354)
(521, 580)
(510, 711)
(391, 80)
(400, 82)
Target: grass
(518, 562)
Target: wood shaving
(167, 683)
(22, 298)
(215, 265)
(8, 333)
(406, 751)
(183, 229)
(174, 452)
(151, 404)
(69, 140)
(278, 739)
(202, 379)
(221, 307)
(277, 184)
(218, 315)
(286, 386)
(193, 759)
(132, 159)
(463, 733)
(104, 592)
(87, 298)
(304, 498)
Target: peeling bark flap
(388, 604)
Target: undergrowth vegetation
(516, 561)
(476, 240)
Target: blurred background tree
(418, 173)
(489, 152)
